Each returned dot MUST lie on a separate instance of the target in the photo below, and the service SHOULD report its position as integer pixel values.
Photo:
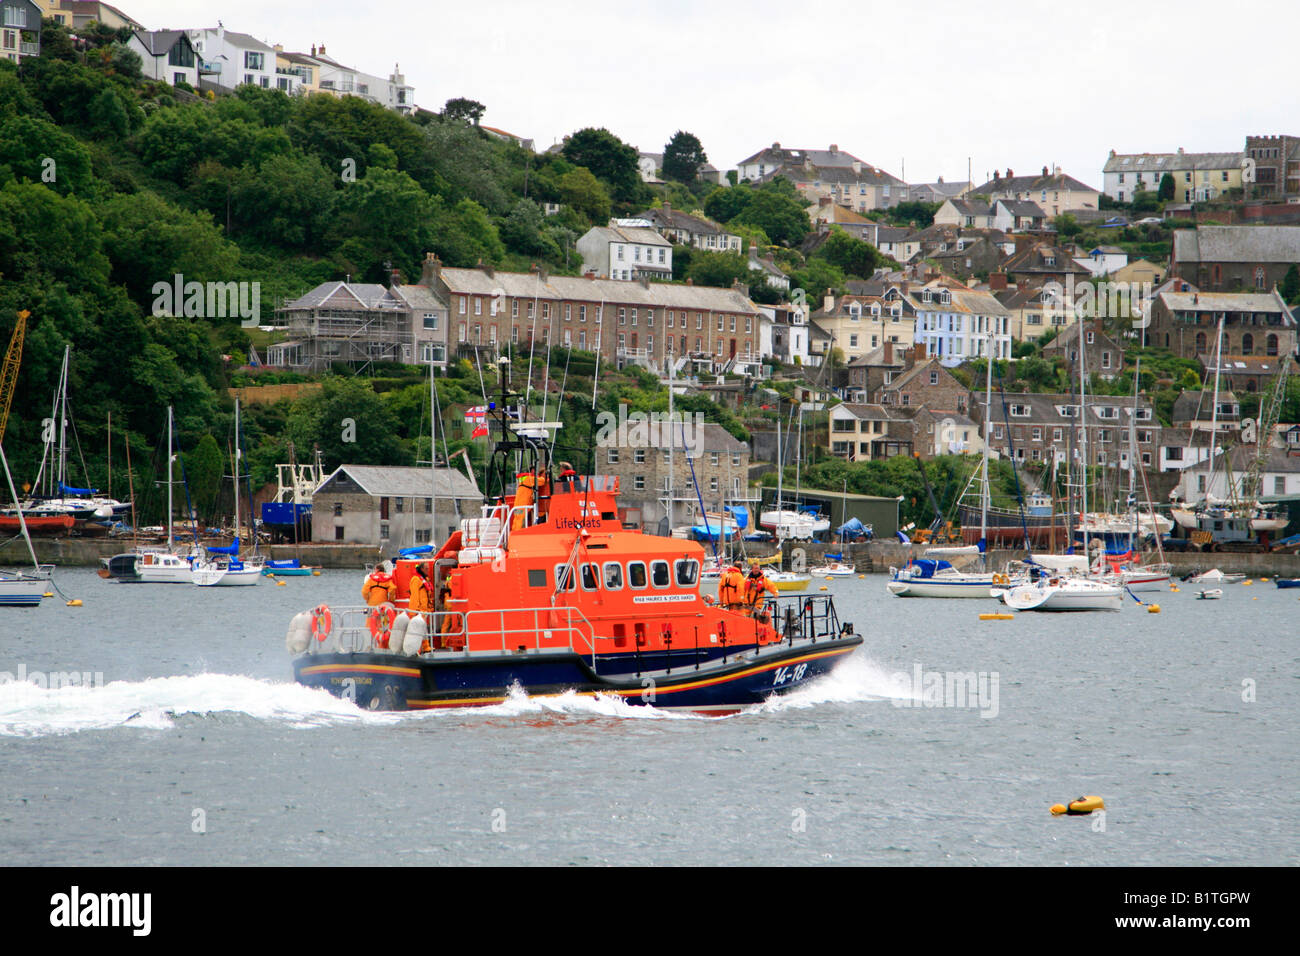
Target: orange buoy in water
(1079, 807)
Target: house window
(431, 321)
(611, 456)
(934, 378)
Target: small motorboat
(1288, 582)
(1209, 594)
(287, 568)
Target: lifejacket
(525, 495)
(420, 599)
(755, 586)
(379, 588)
(731, 587)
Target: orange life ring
(321, 622)
(381, 624)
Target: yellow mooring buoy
(1078, 808)
(997, 617)
(280, 584)
(1153, 608)
(75, 602)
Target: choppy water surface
(1184, 721)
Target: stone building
(708, 464)
(391, 507)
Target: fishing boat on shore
(546, 591)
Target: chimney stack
(997, 281)
(430, 270)
(828, 302)
(1044, 170)
(888, 352)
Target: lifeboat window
(564, 578)
(537, 577)
(659, 574)
(636, 574)
(688, 572)
(590, 577)
(613, 576)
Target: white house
(955, 324)
(1104, 260)
(229, 59)
(626, 252)
(166, 55)
(20, 29)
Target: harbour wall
(872, 557)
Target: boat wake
(29, 710)
(856, 679)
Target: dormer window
(1020, 411)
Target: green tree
(522, 231)
(384, 217)
(287, 203)
(150, 240)
(1166, 191)
(27, 147)
(462, 110)
(853, 256)
(349, 423)
(608, 158)
(781, 216)
(204, 467)
(463, 234)
(1290, 287)
(719, 269)
(727, 202)
(683, 157)
(580, 190)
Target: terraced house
(697, 328)
(1040, 427)
(1198, 177)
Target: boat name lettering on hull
(661, 598)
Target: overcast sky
(914, 87)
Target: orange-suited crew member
(421, 598)
(379, 588)
(755, 585)
(731, 588)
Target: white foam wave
(28, 710)
(857, 678)
(518, 703)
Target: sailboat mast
(63, 421)
(237, 457)
(433, 455)
(988, 415)
(170, 445)
(1083, 448)
(1214, 414)
(672, 441)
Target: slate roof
(656, 294)
(401, 482)
(1170, 162)
(1247, 244)
(1036, 183)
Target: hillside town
(1183, 262)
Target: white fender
(416, 632)
(299, 633)
(398, 634)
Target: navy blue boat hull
(715, 683)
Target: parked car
(1149, 221)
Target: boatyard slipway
(944, 740)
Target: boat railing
(804, 617)
(359, 630)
